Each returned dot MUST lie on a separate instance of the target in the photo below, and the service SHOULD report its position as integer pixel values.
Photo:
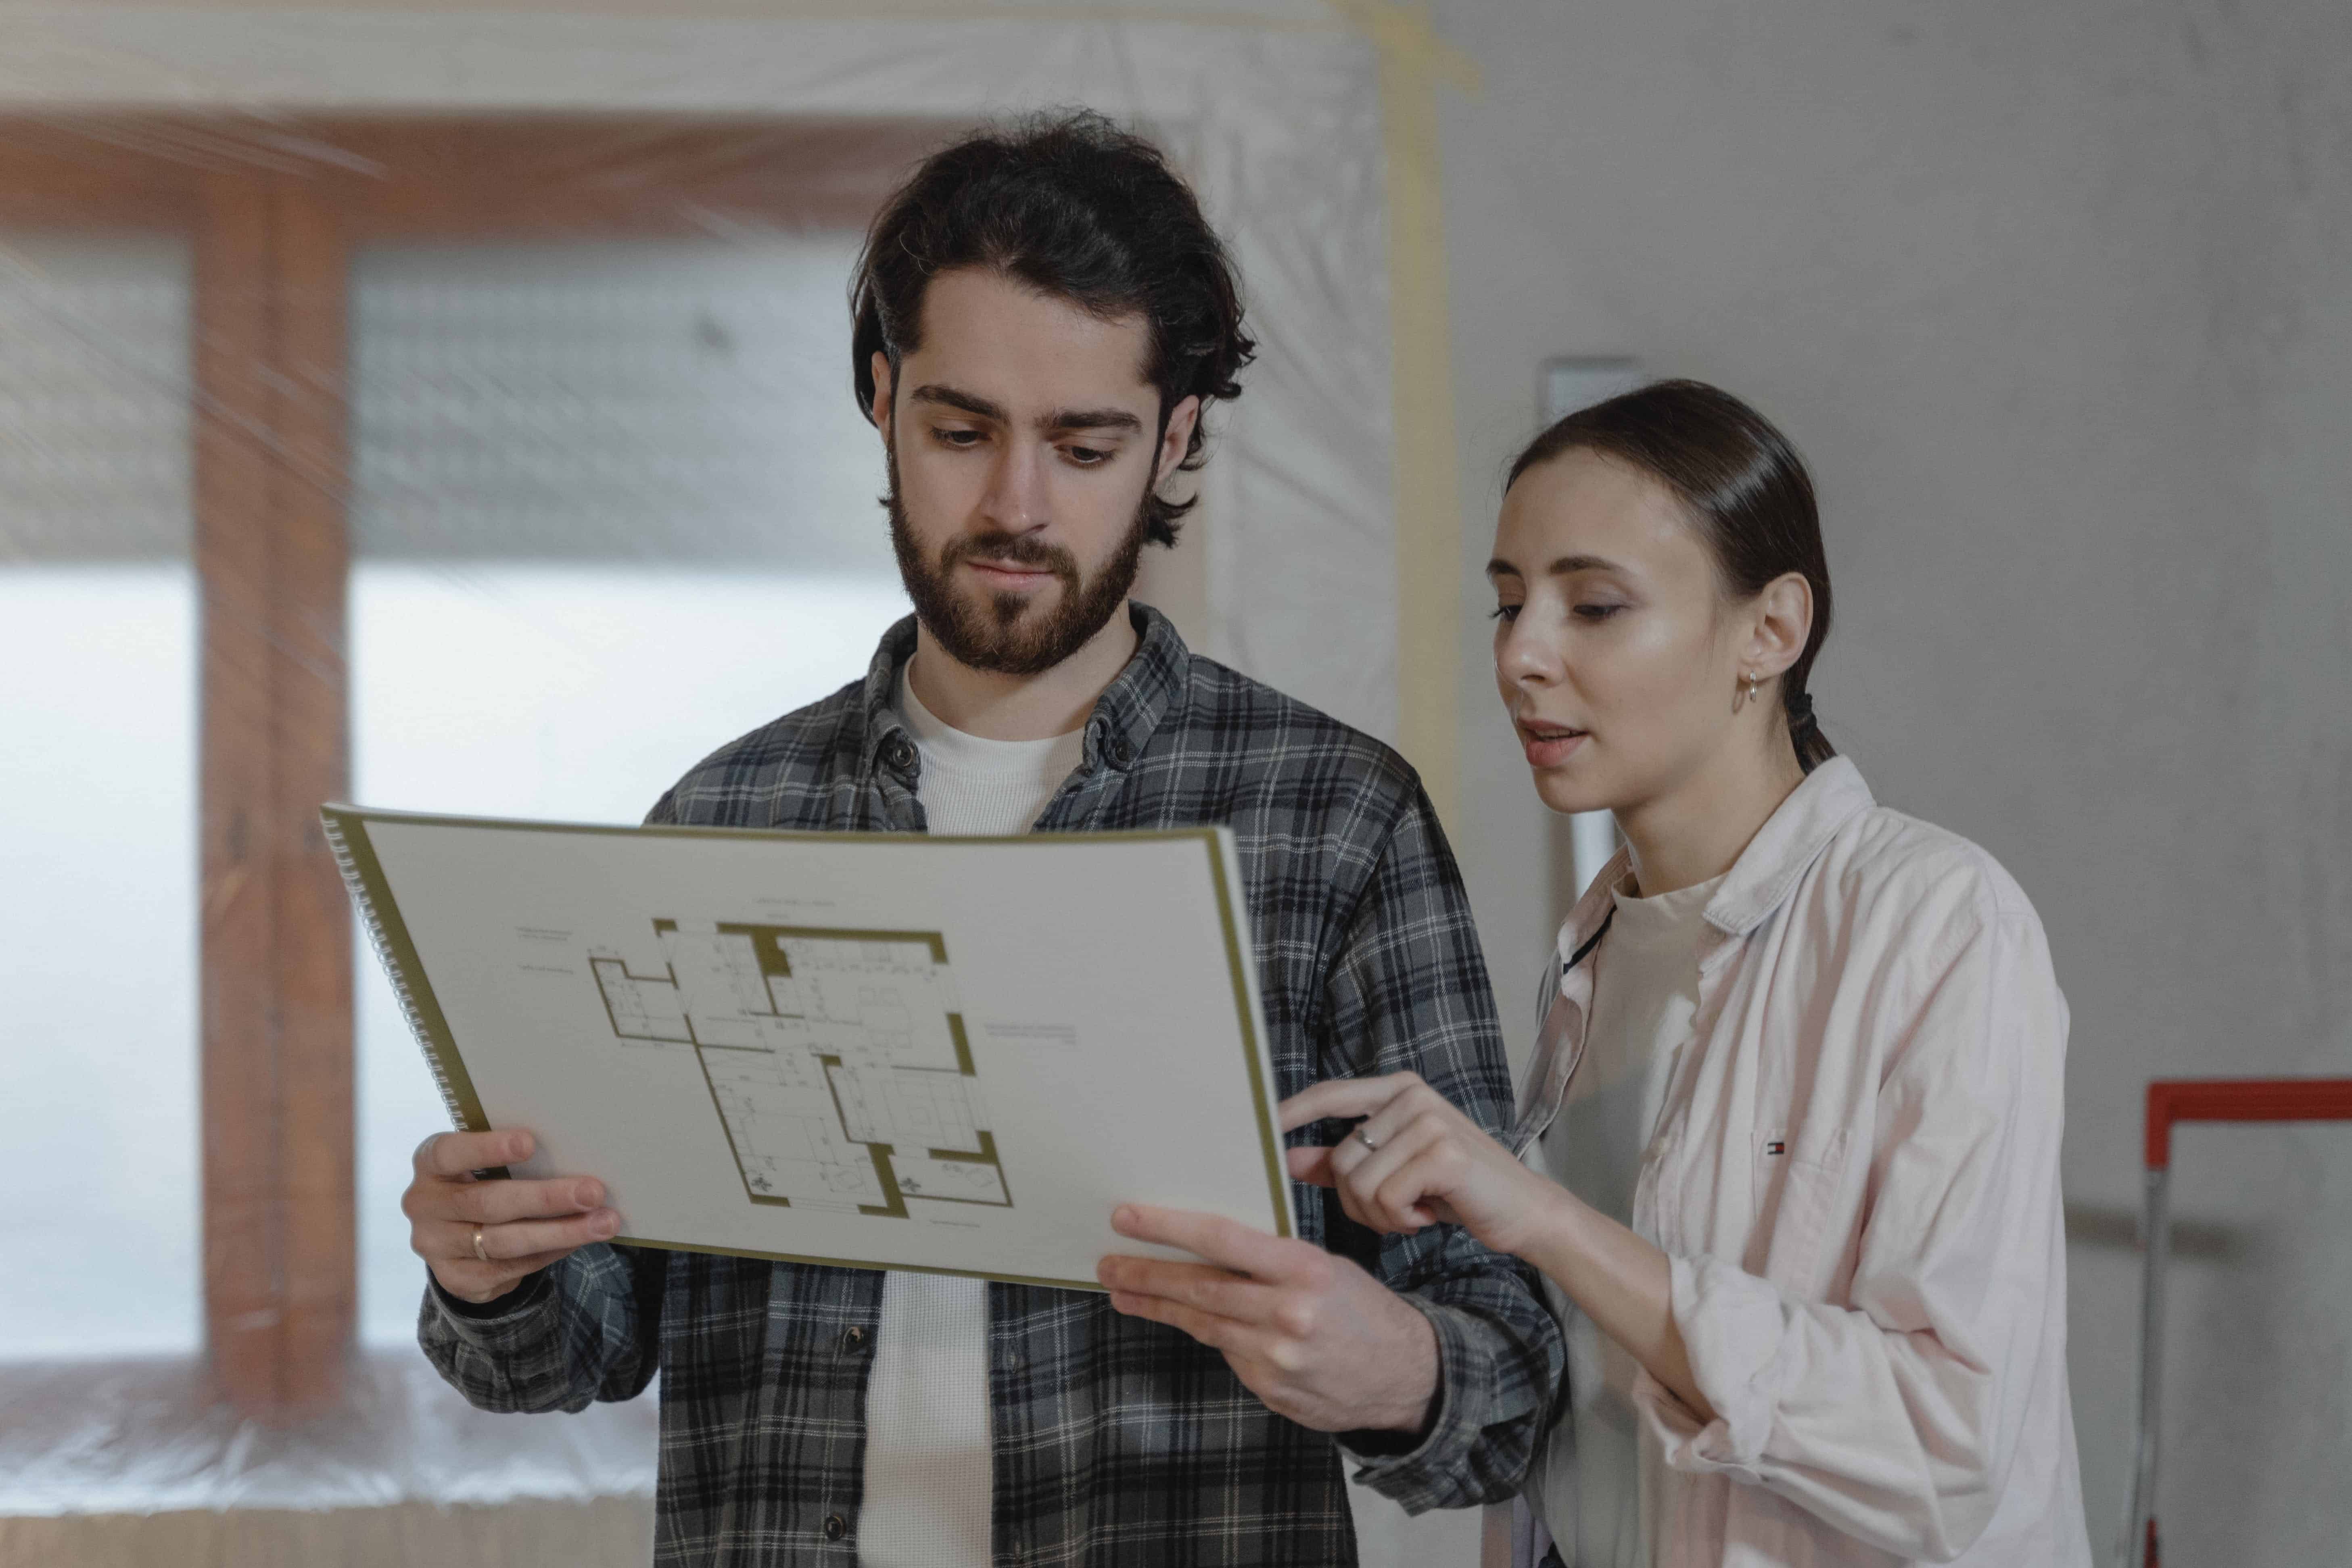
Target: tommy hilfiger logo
(1776, 1147)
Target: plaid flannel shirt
(1116, 1440)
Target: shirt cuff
(484, 1321)
(1424, 1472)
(1731, 1324)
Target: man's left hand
(1311, 1334)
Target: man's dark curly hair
(1073, 207)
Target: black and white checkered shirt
(1116, 1440)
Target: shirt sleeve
(1897, 1419)
(586, 1328)
(1408, 991)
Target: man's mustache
(1013, 549)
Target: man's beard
(991, 635)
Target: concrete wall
(2055, 297)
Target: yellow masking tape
(1413, 61)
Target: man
(1040, 317)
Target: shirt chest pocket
(1795, 1180)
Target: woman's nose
(1524, 656)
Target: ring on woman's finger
(1366, 1140)
(480, 1250)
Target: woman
(1794, 1118)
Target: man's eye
(956, 438)
(1086, 457)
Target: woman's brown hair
(1743, 484)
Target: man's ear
(1176, 439)
(880, 411)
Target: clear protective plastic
(453, 410)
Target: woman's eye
(1596, 611)
(1505, 613)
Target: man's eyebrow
(950, 398)
(1060, 419)
(1498, 567)
(1089, 419)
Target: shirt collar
(1790, 840)
(1125, 716)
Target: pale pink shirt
(1855, 1178)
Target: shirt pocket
(1796, 1182)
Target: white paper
(881, 1049)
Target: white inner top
(1596, 1486)
(927, 1428)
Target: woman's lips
(1548, 746)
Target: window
(97, 925)
(613, 506)
(515, 448)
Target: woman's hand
(1433, 1163)
(1416, 1160)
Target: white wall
(2054, 296)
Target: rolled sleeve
(1896, 1417)
(586, 1328)
(515, 1306)
(1479, 1391)
(1409, 992)
(1731, 1323)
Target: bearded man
(1041, 314)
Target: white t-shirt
(927, 1430)
(1596, 1483)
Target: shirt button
(853, 1341)
(1011, 1361)
(836, 1527)
(898, 753)
(1121, 752)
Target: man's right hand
(522, 1226)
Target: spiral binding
(400, 987)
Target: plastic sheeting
(607, 504)
(124, 1435)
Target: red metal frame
(2240, 1099)
(2171, 1101)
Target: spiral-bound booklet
(883, 1050)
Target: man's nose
(1015, 501)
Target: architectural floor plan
(837, 1061)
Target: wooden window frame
(274, 209)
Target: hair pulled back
(1072, 205)
(1742, 483)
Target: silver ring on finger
(480, 1250)
(1365, 1137)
